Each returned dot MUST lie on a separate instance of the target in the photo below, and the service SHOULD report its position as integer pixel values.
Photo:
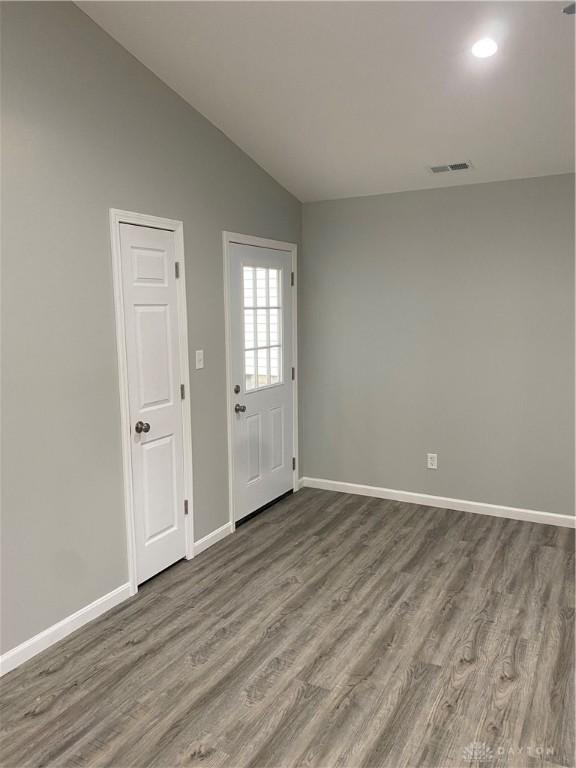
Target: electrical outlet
(432, 459)
(199, 358)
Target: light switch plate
(199, 358)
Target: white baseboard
(29, 648)
(515, 513)
(212, 538)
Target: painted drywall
(442, 321)
(86, 128)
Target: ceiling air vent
(451, 167)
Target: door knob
(142, 426)
(239, 408)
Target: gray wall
(442, 321)
(86, 128)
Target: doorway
(150, 299)
(260, 300)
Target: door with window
(261, 368)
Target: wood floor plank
(331, 630)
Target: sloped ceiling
(337, 99)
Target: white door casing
(260, 300)
(154, 339)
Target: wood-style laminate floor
(330, 631)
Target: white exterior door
(260, 338)
(156, 432)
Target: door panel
(160, 482)
(260, 295)
(150, 266)
(276, 437)
(153, 354)
(254, 439)
(151, 321)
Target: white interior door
(151, 323)
(260, 338)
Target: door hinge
(182, 391)
(185, 506)
(292, 279)
(177, 269)
(293, 374)
(293, 462)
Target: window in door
(262, 293)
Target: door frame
(118, 217)
(229, 238)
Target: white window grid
(262, 327)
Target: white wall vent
(450, 167)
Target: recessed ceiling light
(484, 48)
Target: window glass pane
(248, 286)
(261, 288)
(274, 365)
(274, 327)
(249, 332)
(263, 370)
(273, 292)
(261, 327)
(249, 370)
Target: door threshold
(264, 508)
(155, 575)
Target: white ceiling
(337, 99)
